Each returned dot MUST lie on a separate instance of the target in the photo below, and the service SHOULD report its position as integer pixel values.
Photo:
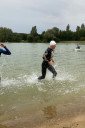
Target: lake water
(23, 97)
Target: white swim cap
(52, 43)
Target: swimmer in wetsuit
(78, 47)
(6, 51)
(47, 58)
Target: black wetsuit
(78, 47)
(47, 57)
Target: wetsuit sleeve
(6, 51)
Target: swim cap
(52, 43)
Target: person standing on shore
(6, 51)
(47, 58)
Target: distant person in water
(6, 51)
(78, 47)
(47, 58)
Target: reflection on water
(49, 112)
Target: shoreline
(74, 120)
(77, 121)
(80, 42)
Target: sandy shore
(75, 121)
(69, 122)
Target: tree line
(7, 35)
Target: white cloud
(21, 15)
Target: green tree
(16, 37)
(6, 34)
(82, 26)
(77, 34)
(23, 37)
(34, 31)
(30, 38)
(33, 36)
(78, 28)
(63, 35)
(68, 27)
(82, 34)
(51, 34)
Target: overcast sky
(22, 15)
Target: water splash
(31, 79)
(61, 76)
(21, 80)
(9, 82)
